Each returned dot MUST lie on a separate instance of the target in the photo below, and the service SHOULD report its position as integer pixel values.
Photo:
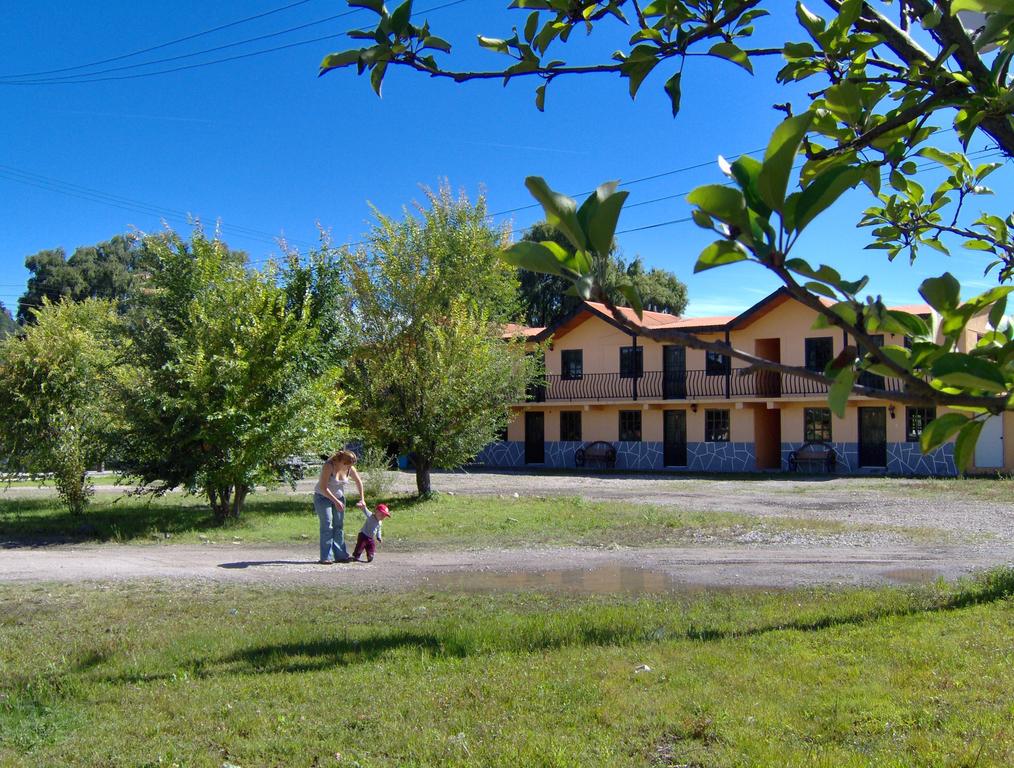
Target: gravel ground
(884, 502)
(959, 533)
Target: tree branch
(930, 396)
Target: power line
(160, 45)
(85, 77)
(652, 177)
(124, 203)
(92, 76)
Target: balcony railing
(686, 385)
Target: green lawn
(445, 521)
(154, 675)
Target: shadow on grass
(537, 634)
(28, 522)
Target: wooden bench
(600, 454)
(813, 454)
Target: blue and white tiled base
(902, 459)
(721, 457)
(503, 454)
(701, 457)
(907, 459)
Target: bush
(374, 467)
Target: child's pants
(364, 542)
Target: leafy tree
(315, 286)
(57, 413)
(546, 298)
(429, 299)
(103, 271)
(224, 387)
(879, 95)
(8, 324)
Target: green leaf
(437, 44)
(721, 202)
(732, 52)
(823, 192)
(636, 70)
(540, 98)
(844, 101)
(672, 89)
(336, 60)
(841, 388)
(942, 293)
(996, 314)
(377, 76)
(561, 211)
(773, 180)
(964, 446)
(400, 18)
(633, 297)
(377, 6)
(536, 257)
(598, 216)
(962, 370)
(810, 21)
(940, 429)
(719, 253)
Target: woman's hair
(343, 457)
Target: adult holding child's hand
(329, 503)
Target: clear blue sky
(264, 146)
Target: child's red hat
(382, 510)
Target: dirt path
(979, 528)
(569, 569)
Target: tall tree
(546, 298)
(659, 289)
(879, 95)
(102, 271)
(429, 300)
(224, 387)
(57, 413)
(8, 324)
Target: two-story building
(668, 407)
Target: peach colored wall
(600, 343)
(1008, 440)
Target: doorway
(535, 437)
(674, 372)
(767, 436)
(674, 438)
(872, 437)
(769, 383)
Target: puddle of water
(912, 575)
(603, 580)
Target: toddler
(370, 534)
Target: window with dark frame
(817, 424)
(916, 420)
(716, 426)
(570, 426)
(631, 362)
(818, 353)
(630, 426)
(717, 364)
(572, 364)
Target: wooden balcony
(687, 385)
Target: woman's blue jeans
(332, 528)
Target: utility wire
(124, 203)
(160, 45)
(85, 78)
(92, 76)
